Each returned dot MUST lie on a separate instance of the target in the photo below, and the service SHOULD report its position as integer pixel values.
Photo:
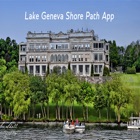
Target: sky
(124, 28)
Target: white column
(84, 72)
(77, 72)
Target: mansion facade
(78, 49)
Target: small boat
(8, 125)
(68, 128)
(134, 123)
(80, 128)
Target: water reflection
(55, 133)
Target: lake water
(55, 133)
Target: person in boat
(72, 123)
(67, 122)
(76, 122)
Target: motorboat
(134, 123)
(80, 128)
(68, 128)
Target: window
(23, 48)
(66, 57)
(44, 46)
(66, 46)
(85, 59)
(100, 57)
(52, 58)
(100, 45)
(22, 58)
(96, 68)
(37, 69)
(31, 69)
(31, 46)
(37, 58)
(74, 69)
(95, 56)
(22, 68)
(80, 69)
(43, 58)
(59, 58)
(63, 69)
(87, 69)
(80, 57)
(106, 47)
(31, 58)
(107, 58)
(62, 58)
(43, 69)
(96, 45)
(38, 46)
(100, 68)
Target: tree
(71, 89)
(106, 71)
(99, 99)
(2, 73)
(17, 92)
(85, 97)
(113, 54)
(120, 95)
(39, 95)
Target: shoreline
(61, 123)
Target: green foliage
(113, 54)
(106, 71)
(9, 52)
(131, 70)
(57, 69)
(17, 92)
(120, 95)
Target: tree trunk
(99, 114)
(107, 114)
(62, 115)
(48, 114)
(66, 111)
(56, 111)
(9, 111)
(24, 116)
(59, 113)
(33, 110)
(83, 112)
(5, 110)
(87, 113)
(42, 111)
(118, 114)
(73, 111)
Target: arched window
(59, 58)
(66, 57)
(52, 58)
(63, 69)
(55, 58)
(62, 58)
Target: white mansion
(79, 49)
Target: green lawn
(132, 81)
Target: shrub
(106, 71)
(131, 70)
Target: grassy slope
(132, 81)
